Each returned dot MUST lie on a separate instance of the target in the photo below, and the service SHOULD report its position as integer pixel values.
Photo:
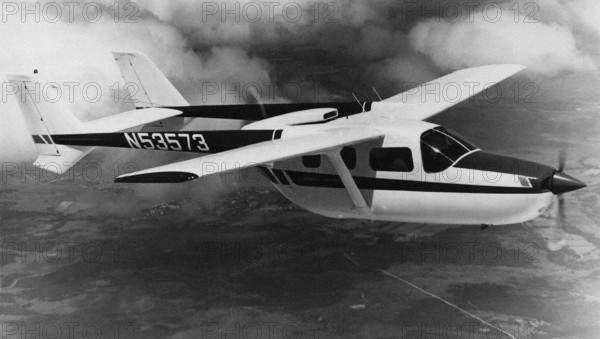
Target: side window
(349, 156)
(398, 159)
(311, 161)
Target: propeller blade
(558, 233)
(562, 160)
(562, 218)
(560, 183)
(256, 99)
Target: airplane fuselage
(475, 188)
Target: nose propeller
(560, 183)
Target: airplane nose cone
(561, 182)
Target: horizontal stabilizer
(253, 155)
(131, 119)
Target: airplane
(361, 160)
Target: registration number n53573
(184, 142)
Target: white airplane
(368, 160)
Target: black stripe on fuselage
(187, 141)
(256, 112)
(333, 181)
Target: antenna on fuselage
(359, 103)
(379, 96)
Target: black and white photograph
(302, 169)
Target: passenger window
(311, 161)
(391, 159)
(349, 156)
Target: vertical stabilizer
(146, 84)
(45, 114)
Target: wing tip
(156, 178)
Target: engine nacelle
(311, 116)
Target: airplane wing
(253, 155)
(433, 97)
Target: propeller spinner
(560, 182)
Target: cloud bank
(334, 47)
(500, 34)
(353, 45)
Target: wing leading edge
(435, 96)
(253, 155)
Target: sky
(285, 51)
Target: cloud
(543, 48)
(401, 73)
(362, 41)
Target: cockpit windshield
(441, 148)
